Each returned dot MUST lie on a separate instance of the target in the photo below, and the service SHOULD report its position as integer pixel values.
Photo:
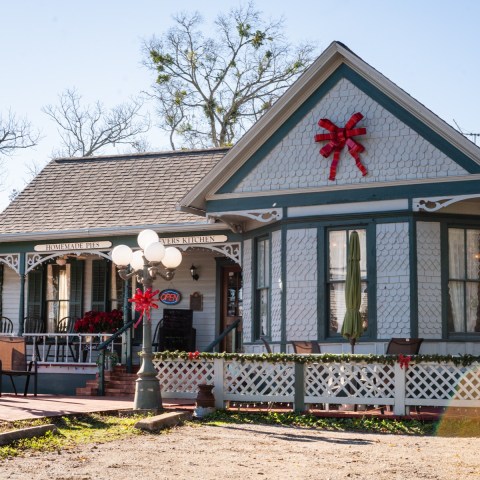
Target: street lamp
(146, 264)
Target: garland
(457, 360)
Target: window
(337, 274)
(463, 280)
(58, 294)
(262, 288)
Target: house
(267, 222)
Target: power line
(471, 134)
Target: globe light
(121, 255)
(172, 258)
(146, 237)
(155, 252)
(137, 260)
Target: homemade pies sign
(338, 138)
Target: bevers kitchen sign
(194, 240)
(69, 246)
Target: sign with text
(198, 239)
(170, 296)
(69, 246)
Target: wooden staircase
(118, 383)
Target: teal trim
(283, 330)
(322, 298)
(412, 226)
(343, 71)
(270, 282)
(372, 280)
(444, 276)
(393, 192)
(21, 307)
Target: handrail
(109, 340)
(101, 357)
(233, 325)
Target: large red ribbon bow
(144, 302)
(338, 137)
(404, 360)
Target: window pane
(260, 264)
(263, 311)
(473, 254)
(337, 307)
(456, 252)
(457, 304)
(337, 248)
(473, 317)
(364, 306)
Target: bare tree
(86, 130)
(15, 134)
(211, 89)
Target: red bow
(404, 360)
(338, 138)
(144, 302)
(194, 355)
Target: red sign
(170, 297)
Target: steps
(118, 383)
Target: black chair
(405, 346)
(6, 326)
(64, 326)
(266, 343)
(13, 363)
(306, 347)
(33, 324)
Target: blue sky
(430, 48)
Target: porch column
(21, 307)
(127, 336)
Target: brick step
(86, 392)
(120, 383)
(119, 391)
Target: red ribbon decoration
(404, 360)
(144, 302)
(337, 140)
(194, 355)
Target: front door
(231, 293)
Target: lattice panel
(443, 382)
(259, 378)
(185, 376)
(346, 380)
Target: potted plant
(99, 322)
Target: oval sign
(170, 297)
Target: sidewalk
(23, 408)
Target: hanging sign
(69, 246)
(170, 296)
(194, 240)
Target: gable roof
(336, 58)
(76, 195)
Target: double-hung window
(463, 280)
(262, 287)
(338, 242)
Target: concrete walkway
(23, 408)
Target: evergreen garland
(457, 360)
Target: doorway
(231, 307)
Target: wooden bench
(13, 363)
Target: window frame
(263, 289)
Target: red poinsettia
(99, 322)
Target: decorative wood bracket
(11, 260)
(434, 204)
(234, 219)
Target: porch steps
(118, 383)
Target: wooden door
(231, 291)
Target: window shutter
(99, 285)
(76, 288)
(35, 293)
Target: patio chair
(64, 326)
(306, 347)
(33, 324)
(406, 346)
(268, 348)
(6, 326)
(13, 363)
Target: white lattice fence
(349, 383)
(441, 384)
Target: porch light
(152, 260)
(193, 272)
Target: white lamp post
(146, 264)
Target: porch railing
(62, 348)
(303, 383)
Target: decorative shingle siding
(247, 290)
(393, 151)
(393, 280)
(96, 192)
(301, 310)
(276, 287)
(429, 280)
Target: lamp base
(147, 394)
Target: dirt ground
(259, 452)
